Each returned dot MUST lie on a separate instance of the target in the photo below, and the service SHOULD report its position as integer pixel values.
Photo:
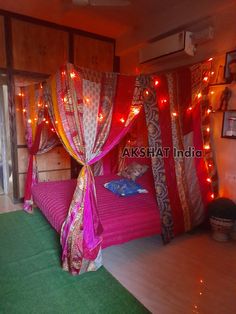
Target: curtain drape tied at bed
(29, 178)
(91, 111)
(83, 219)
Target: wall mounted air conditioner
(173, 46)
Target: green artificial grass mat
(32, 280)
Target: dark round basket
(221, 228)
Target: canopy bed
(91, 113)
(122, 218)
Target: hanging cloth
(175, 123)
(91, 112)
(40, 136)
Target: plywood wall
(53, 165)
(20, 128)
(93, 53)
(2, 44)
(38, 48)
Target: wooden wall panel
(37, 48)
(23, 157)
(22, 185)
(93, 53)
(54, 175)
(2, 44)
(56, 158)
(20, 130)
(53, 165)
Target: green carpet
(32, 281)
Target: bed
(123, 218)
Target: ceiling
(135, 24)
(108, 21)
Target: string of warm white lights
(41, 106)
(39, 111)
(86, 101)
(206, 111)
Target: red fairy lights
(190, 109)
(87, 100)
(164, 101)
(199, 95)
(206, 146)
(100, 117)
(135, 111)
(72, 75)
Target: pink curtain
(91, 112)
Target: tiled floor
(192, 274)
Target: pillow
(124, 187)
(133, 171)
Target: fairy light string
(206, 110)
(202, 75)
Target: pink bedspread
(123, 218)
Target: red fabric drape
(32, 151)
(166, 132)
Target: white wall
(224, 149)
(225, 156)
(193, 18)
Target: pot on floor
(221, 228)
(233, 232)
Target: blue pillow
(124, 187)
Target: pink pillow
(133, 171)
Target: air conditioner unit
(173, 46)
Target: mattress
(123, 218)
